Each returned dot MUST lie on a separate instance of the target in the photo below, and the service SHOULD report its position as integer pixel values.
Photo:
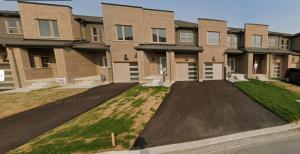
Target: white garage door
(126, 72)
(213, 71)
(186, 71)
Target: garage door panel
(186, 71)
(213, 71)
(121, 72)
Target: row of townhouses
(47, 42)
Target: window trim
(123, 32)
(51, 29)
(157, 34)
(254, 41)
(186, 38)
(18, 26)
(207, 42)
(232, 43)
(92, 34)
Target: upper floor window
(232, 41)
(257, 41)
(213, 38)
(285, 43)
(186, 37)
(13, 26)
(159, 35)
(95, 34)
(48, 28)
(124, 32)
(272, 42)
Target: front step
(237, 77)
(152, 81)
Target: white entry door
(162, 65)
(231, 63)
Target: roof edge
(256, 24)
(212, 19)
(133, 6)
(60, 5)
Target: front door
(162, 65)
(277, 70)
(231, 63)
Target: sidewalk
(225, 143)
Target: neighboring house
(46, 42)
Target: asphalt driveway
(20, 128)
(195, 111)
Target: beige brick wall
(31, 12)
(254, 29)
(3, 30)
(211, 53)
(142, 20)
(73, 64)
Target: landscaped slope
(125, 115)
(279, 100)
(12, 103)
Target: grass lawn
(125, 115)
(277, 99)
(13, 103)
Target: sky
(280, 15)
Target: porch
(62, 63)
(165, 64)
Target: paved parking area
(195, 111)
(20, 128)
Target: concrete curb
(211, 141)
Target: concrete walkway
(256, 141)
(20, 128)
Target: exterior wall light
(126, 57)
(186, 58)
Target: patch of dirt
(287, 86)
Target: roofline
(133, 6)
(256, 24)
(60, 5)
(212, 19)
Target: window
(186, 37)
(48, 28)
(272, 42)
(95, 34)
(232, 41)
(103, 62)
(159, 35)
(257, 41)
(124, 32)
(213, 38)
(285, 43)
(13, 26)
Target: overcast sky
(281, 15)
